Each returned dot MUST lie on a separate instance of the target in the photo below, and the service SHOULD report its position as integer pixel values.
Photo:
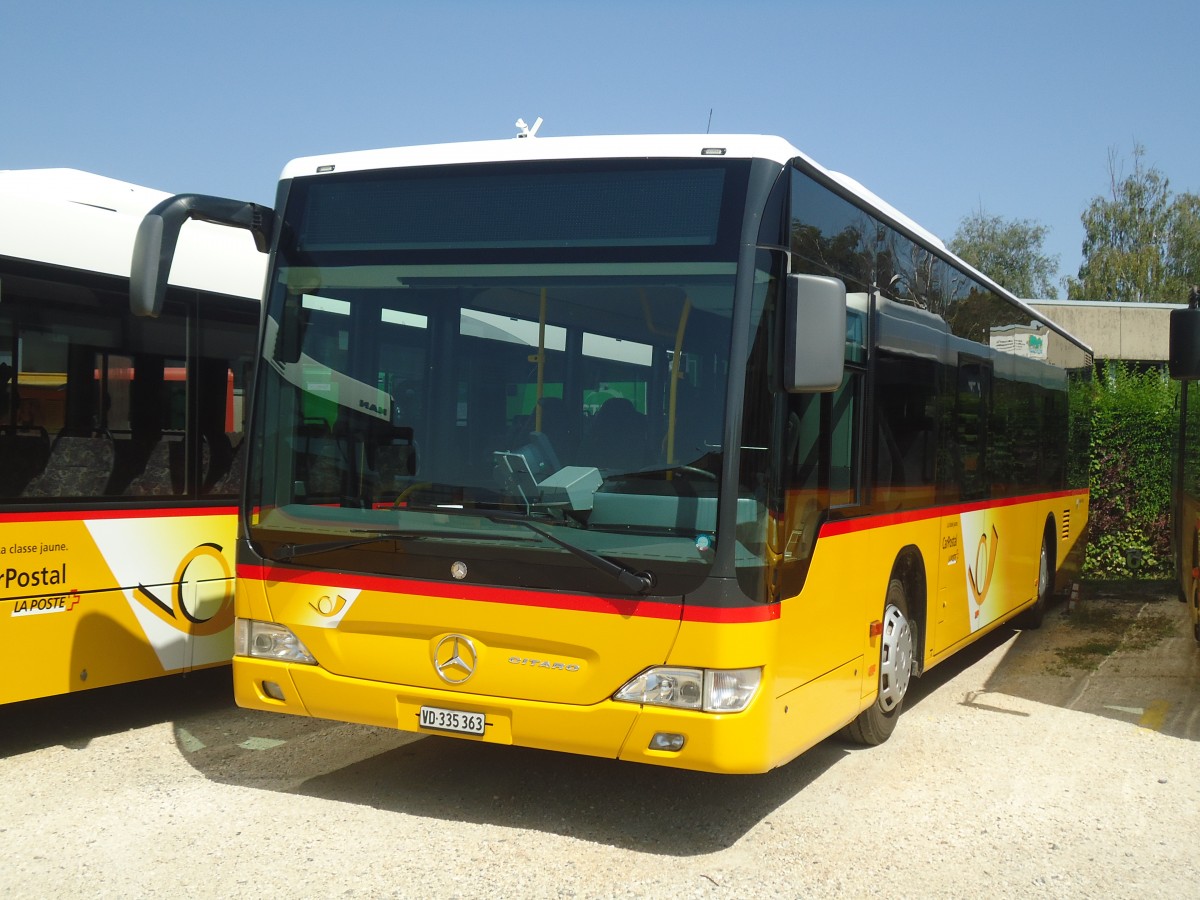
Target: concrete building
(1135, 332)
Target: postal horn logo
(985, 562)
(328, 606)
(199, 600)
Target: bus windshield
(448, 350)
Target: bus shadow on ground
(1125, 652)
(75, 720)
(627, 805)
(631, 806)
(651, 809)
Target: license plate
(452, 720)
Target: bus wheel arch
(899, 643)
(909, 570)
(1047, 568)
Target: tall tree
(1008, 251)
(1183, 266)
(1141, 243)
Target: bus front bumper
(733, 743)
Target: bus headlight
(730, 690)
(710, 690)
(266, 640)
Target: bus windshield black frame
(548, 340)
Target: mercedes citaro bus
(675, 449)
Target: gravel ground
(1019, 769)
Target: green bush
(1133, 423)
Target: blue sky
(941, 108)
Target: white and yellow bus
(677, 449)
(119, 438)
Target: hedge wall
(1134, 418)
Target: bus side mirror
(814, 333)
(158, 234)
(1183, 357)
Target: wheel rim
(1044, 575)
(895, 658)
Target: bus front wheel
(876, 724)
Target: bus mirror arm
(814, 333)
(158, 234)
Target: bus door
(952, 623)
(959, 608)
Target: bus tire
(1032, 618)
(875, 724)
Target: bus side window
(973, 410)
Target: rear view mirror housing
(814, 334)
(158, 235)
(1183, 356)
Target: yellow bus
(1184, 365)
(119, 439)
(678, 449)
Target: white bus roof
(645, 146)
(78, 220)
(736, 146)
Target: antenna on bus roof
(527, 131)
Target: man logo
(454, 659)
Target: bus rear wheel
(876, 724)
(1036, 614)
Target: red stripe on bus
(866, 523)
(643, 609)
(729, 615)
(78, 515)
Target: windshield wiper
(634, 582)
(291, 551)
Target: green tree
(1009, 251)
(1141, 243)
(1183, 268)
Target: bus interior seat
(216, 460)
(558, 428)
(154, 479)
(315, 457)
(226, 476)
(78, 466)
(395, 462)
(24, 451)
(322, 468)
(617, 436)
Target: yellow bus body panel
(535, 650)
(94, 599)
(817, 652)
